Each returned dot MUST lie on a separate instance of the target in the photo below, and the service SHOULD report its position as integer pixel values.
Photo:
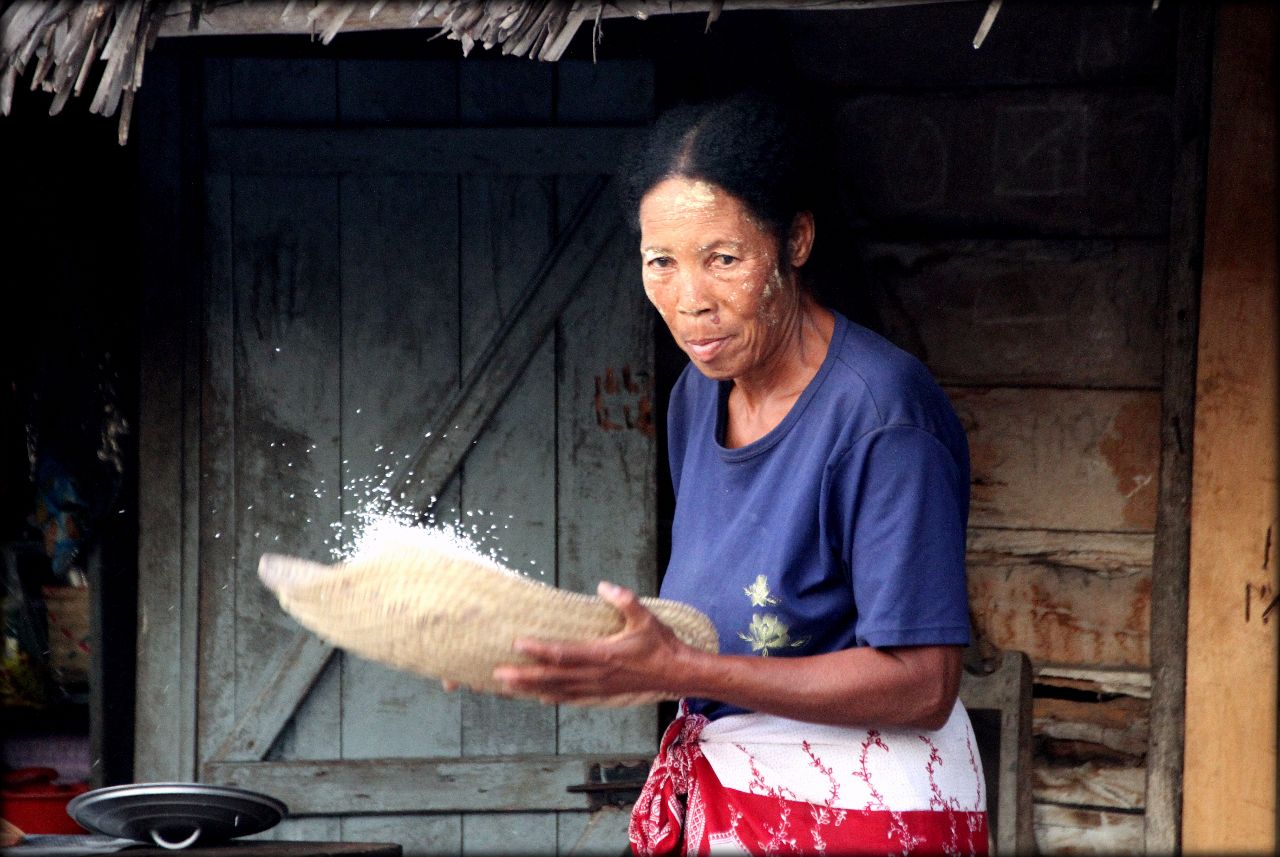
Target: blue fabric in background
(62, 514)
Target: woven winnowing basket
(446, 613)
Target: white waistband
(849, 767)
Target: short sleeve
(901, 504)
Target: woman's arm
(913, 686)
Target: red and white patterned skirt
(759, 784)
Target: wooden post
(1171, 556)
(1229, 788)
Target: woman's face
(712, 272)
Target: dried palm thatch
(66, 37)
(61, 40)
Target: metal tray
(176, 815)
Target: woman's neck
(761, 398)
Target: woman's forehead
(685, 207)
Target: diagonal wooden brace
(594, 232)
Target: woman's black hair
(755, 146)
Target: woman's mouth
(705, 349)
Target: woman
(821, 483)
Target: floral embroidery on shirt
(769, 632)
(758, 592)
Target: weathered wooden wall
(1008, 218)
(1010, 210)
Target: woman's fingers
(627, 662)
(547, 683)
(624, 601)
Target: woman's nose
(692, 299)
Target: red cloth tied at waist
(657, 818)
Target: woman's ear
(800, 239)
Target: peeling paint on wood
(1127, 448)
(624, 400)
(1062, 459)
(1066, 598)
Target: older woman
(821, 483)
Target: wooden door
(452, 312)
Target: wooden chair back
(999, 704)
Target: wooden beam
(290, 678)
(1172, 549)
(381, 151)
(1229, 786)
(262, 18)
(380, 786)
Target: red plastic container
(31, 801)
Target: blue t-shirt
(843, 526)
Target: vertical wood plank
(1170, 561)
(606, 464)
(399, 350)
(164, 746)
(217, 695)
(271, 399)
(1231, 645)
(509, 477)
(215, 467)
(286, 311)
(507, 227)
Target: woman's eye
(660, 262)
(723, 260)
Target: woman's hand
(642, 658)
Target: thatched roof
(59, 42)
